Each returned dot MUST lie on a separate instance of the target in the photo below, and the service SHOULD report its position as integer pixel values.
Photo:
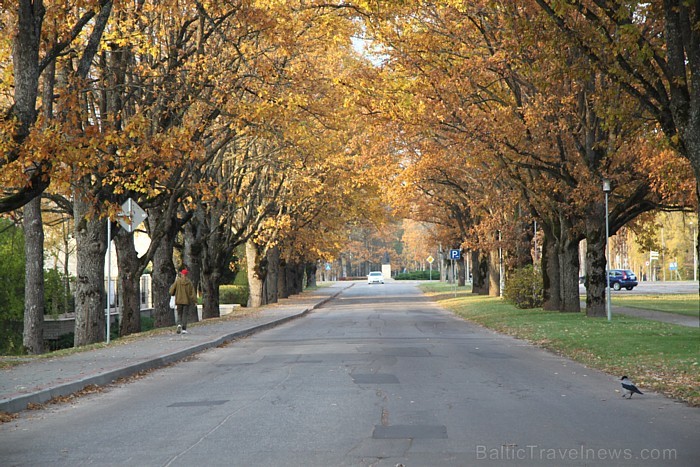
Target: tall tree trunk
(523, 244)
(129, 283)
(446, 270)
(570, 265)
(90, 304)
(494, 274)
(33, 338)
(596, 282)
(25, 57)
(194, 233)
(34, 299)
(163, 273)
(256, 274)
(311, 269)
(211, 280)
(272, 286)
(194, 237)
(296, 272)
(551, 270)
(283, 280)
(480, 267)
(461, 273)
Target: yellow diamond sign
(430, 259)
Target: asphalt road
(656, 287)
(378, 377)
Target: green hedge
(229, 294)
(418, 276)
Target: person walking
(183, 291)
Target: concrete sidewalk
(41, 379)
(682, 320)
(653, 315)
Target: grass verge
(658, 356)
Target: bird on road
(629, 387)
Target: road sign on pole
(430, 260)
(455, 254)
(131, 216)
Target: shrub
(418, 276)
(524, 288)
(147, 323)
(229, 294)
(65, 341)
(241, 278)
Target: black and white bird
(629, 387)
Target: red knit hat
(184, 272)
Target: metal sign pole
(608, 299)
(454, 278)
(500, 266)
(109, 272)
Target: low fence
(55, 327)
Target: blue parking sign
(455, 254)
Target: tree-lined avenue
(379, 376)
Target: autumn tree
(320, 152)
(480, 77)
(31, 156)
(418, 243)
(649, 49)
(27, 26)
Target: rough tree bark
(595, 280)
(33, 338)
(461, 273)
(550, 270)
(192, 255)
(569, 268)
(90, 303)
(295, 273)
(523, 245)
(282, 280)
(129, 283)
(211, 280)
(311, 269)
(35, 304)
(273, 273)
(493, 274)
(26, 67)
(257, 270)
(163, 272)
(480, 284)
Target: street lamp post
(695, 253)
(500, 266)
(606, 190)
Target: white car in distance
(375, 277)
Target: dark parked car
(620, 278)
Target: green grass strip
(659, 356)
(687, 305)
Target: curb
(20, 403)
